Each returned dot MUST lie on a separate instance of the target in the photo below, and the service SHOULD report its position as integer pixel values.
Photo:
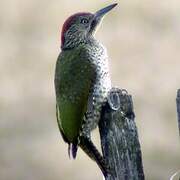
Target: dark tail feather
(72, 150)
(88, 147)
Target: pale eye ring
(84, 21)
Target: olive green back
(73, 81)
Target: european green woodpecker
(82, 82)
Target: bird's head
(79, 27)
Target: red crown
(68, 23)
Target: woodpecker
(82, 83)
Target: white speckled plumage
(102, 85)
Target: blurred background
(143, 42)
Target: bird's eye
(84, 21)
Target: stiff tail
(72, 150)
(88, 147)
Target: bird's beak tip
(105, 10)
(99, 15)
(115, 4)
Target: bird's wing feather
(74, 78)
(58, 120)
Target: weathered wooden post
(119, 137)
(178, 119)
(178, 108)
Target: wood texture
(178, 108)
(119, 137)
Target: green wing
(73, 81)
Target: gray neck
(74, 38)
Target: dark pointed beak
(99, 15)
